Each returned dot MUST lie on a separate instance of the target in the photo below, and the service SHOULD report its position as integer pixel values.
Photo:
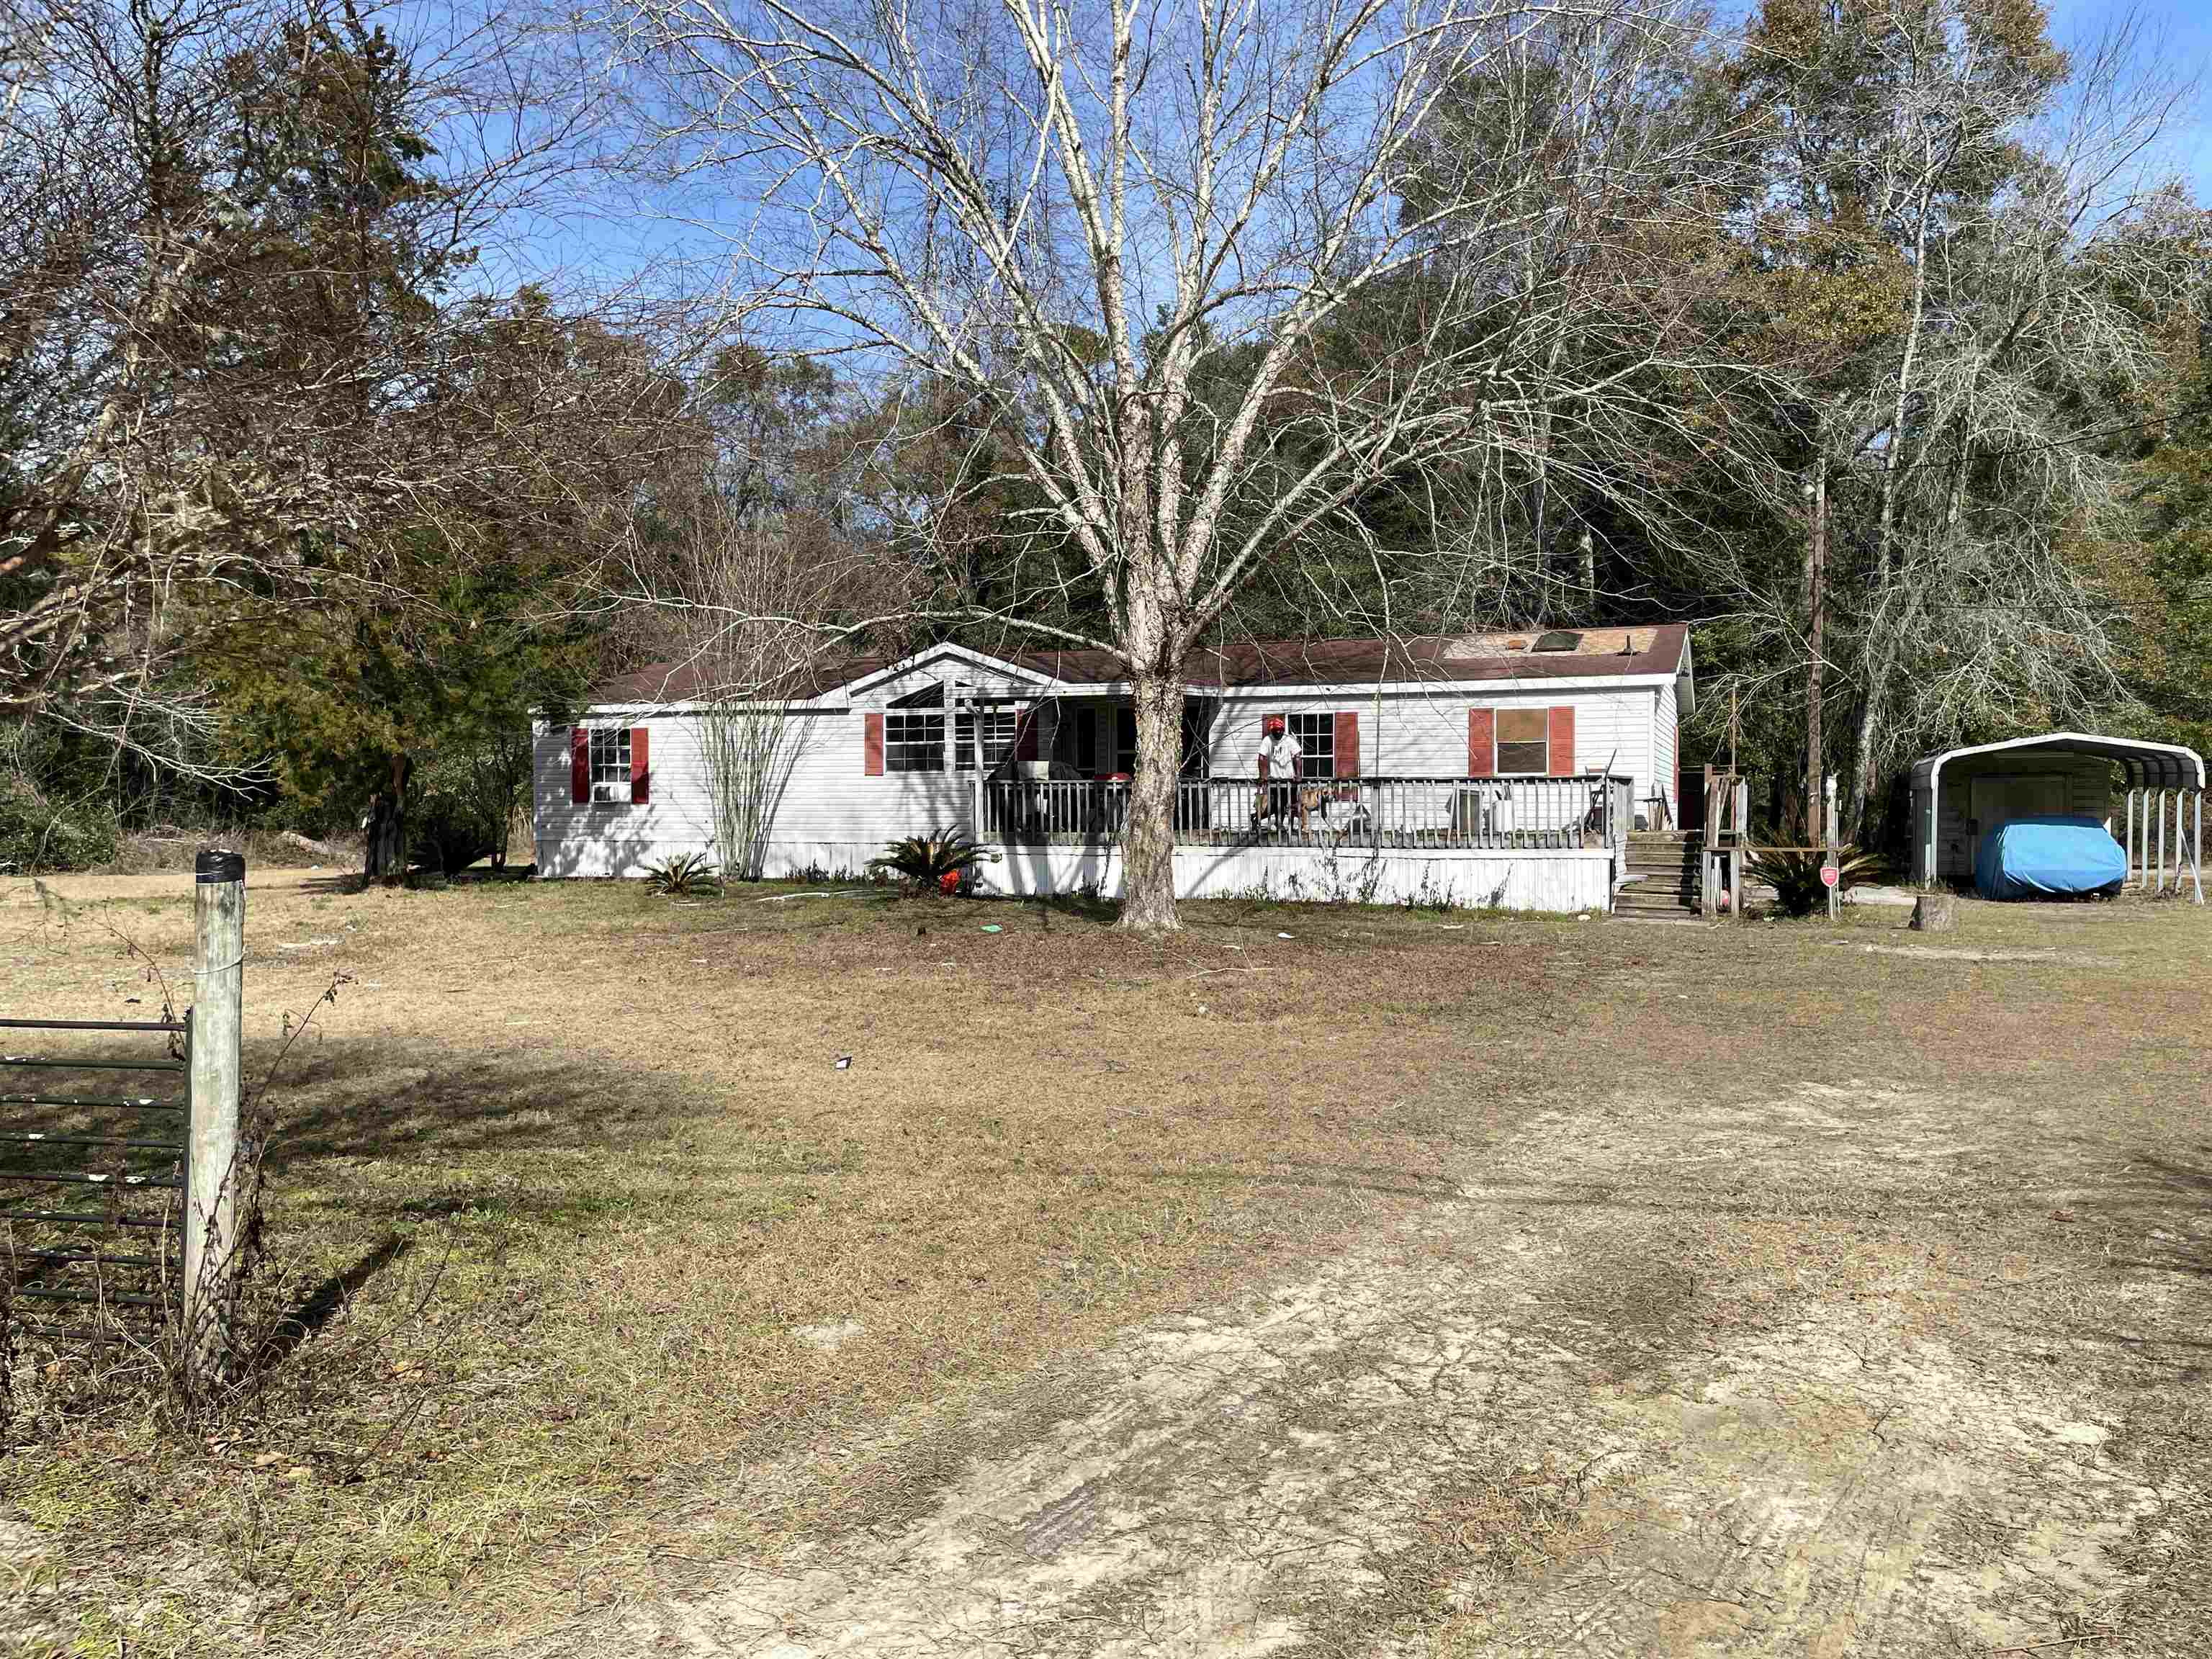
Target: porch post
(2128, 839)
(1708, 865)
(964, 697)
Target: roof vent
(1556, 641)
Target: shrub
(39, 833)
(688, 875)
(448, 831)
(463, 806)
(1795, 875)
(925, 861)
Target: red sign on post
(1828, 875)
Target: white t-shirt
(1282, 753)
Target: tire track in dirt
(1826, 1475)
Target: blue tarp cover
(2056, 856)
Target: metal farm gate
(102, 1125)
(118, 1153)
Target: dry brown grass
(576, 1172)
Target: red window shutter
(1347, 743)
(1025, 735)
(640, 774)
(1482, 743)
(1562, 734)
(872, 745)
(579, 764)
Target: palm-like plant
(688, 875)
(939, 863)
(1795, 874)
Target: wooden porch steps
(1665, 864)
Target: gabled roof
(694, 681)
(1598, 652)
(1011, 668)
(1657, 652)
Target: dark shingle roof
(1599, 652)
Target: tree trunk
(1883, 659)
(1863, 756)
(1816, 597)
(1148, 897)
(1934, 913)
(384, 857)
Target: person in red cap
(1279, 753)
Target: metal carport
(2162, 824)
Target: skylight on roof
(1557, 641)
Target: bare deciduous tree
(1974, 264)
(1134, 236)
(743, 579)
(236, 372)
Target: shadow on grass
(324, 1303)
(1084, 908)
(361, 1100)
(926, 909)
(444, 1136)
(2166, 1203)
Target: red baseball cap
(1275, 723)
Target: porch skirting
(1556, 880)
(1525, 878)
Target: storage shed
(2149, 795)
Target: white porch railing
(1385, 813)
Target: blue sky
(2178, 35)
(604, 239)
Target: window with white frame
(1524, 742)
(610, 758)
(999, 727)
(1316, 736)
(914, 733)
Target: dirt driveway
(1668, 1378)
(1324, 1283)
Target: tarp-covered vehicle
(2058, 856)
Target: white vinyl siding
(833, 817)
(1423, 734)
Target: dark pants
(1278, 801)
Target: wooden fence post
(212, 1173)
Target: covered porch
(1033, 808)
(1048, 785)
(1554, 844)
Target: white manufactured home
(1503, 769)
